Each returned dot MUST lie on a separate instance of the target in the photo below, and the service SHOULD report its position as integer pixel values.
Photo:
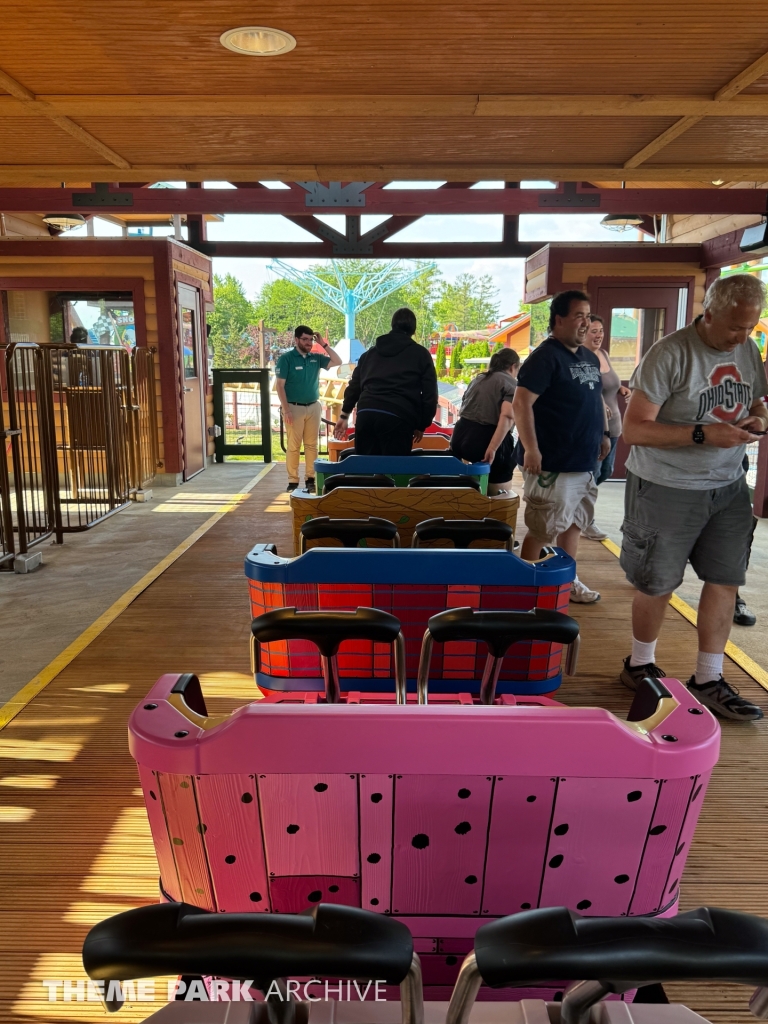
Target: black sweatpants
(377, 433)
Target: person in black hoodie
(394, 387)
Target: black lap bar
(499, 630)
(463, 531)
(351, 480)
(176, 938)
(555, 943)
(430, 480)
(348, 531)
(327, 630)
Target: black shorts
(470, 442)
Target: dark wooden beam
(404, 202)
(381, 250)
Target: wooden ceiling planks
(381, 91)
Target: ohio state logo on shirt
(728, 397)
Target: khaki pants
(304, 427)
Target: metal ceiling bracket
(102, 197)
(569, 197)
(335, 194)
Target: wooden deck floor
(75, 845)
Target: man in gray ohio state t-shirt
(696, 397)
(693, 383)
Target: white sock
(708, 667)
(642, 654)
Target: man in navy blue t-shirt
(562, 426)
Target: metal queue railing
(79, 432)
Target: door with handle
(193, 380)
(636, 315)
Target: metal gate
(27, 458)
(79, 436)
(241, 411)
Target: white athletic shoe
(581, 594)
(593, 532)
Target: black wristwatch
(698, 434)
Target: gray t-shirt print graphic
(693, 383)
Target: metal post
(412, 994)
(401, 680)
(422, 680)
(578, 998)
(490, 678)
(464, 992)
(331, 679)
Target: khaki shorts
(556, 501)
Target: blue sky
(506, 273)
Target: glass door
(193, 405)
(636, 316)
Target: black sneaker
(309, 485)
(291, 487)
(724, 699)
(632, 674)
(742, 616)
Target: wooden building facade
(168, 287)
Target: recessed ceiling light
(258, 41)
(718, 182)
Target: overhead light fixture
(622, 221)
(755, 239)
(64, 220)
(258, 41)
(718, 182)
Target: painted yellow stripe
(741, 658)
(11, 708)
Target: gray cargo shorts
(666, 527)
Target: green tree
(539, 320)
(469, 302)
(419, 295)
(230, 338)
(476, 350)
(498, 347)
(440, 358)
(456, 356)
(282, 305)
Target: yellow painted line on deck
(17, 703)
(741, 658)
